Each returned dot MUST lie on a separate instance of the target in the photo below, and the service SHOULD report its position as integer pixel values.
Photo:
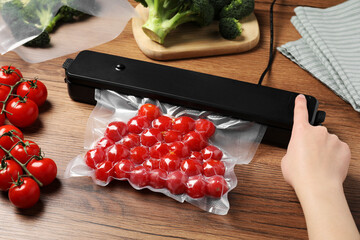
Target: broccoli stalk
(166, 15)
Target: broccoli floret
(238, 9)
(230, 28)
(166, 15)
(218, 5)
(40, 41)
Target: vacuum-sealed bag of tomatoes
(186, 154)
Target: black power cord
(271, 54)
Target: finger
(300, 110)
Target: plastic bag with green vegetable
(39, 30)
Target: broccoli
(38, 16)
(238, 9)
(166, 15)
(230, 28)
(218, 5)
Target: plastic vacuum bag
(237, 140)
(107, 20)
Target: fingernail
(301, 96)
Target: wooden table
(263, 206)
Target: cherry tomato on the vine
(22, 113)
(34, 90)
(4, 92)
(10, 75)
(10, 135)
(25, 193)
(9, 172)
(44, 170)
(25, 150)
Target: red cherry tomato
(180, 149)
(104, 171)
(196, 186)
(213, 167)
(150, 111)
(196, 156)
(191, 167)
(22, 113)
(159, 150)
(184, 124)
(205, 127)
(139, 176)
(176, 182)
(152, 164)
(157, 178)
(117, 152)
(131, 140)
(24, 151)
(116, 131)
(9, 172)
(216, 186)
(34, 90)
(123, 168)
(137, 124)
(194, 141)
(139, 154)
(170, 162)
(10, 75)
(94, 156)
(211, 152)
(24, 194)
(150, 136)
(104, 143)
(4, 92)
(44, 170)
(171, 136)
(10, 135)
(163, 123)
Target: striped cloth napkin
(330, 47)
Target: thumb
(300, 111)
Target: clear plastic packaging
(108, 20)
(237, 140)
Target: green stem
(23, 166)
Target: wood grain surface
(263, 206)
(189, 40)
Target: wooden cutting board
(189, 40)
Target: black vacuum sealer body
(246, 101)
